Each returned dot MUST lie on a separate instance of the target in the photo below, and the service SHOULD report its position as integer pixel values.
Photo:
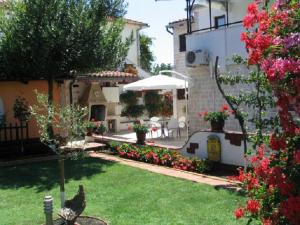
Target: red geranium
(253, 206)
(239, 212)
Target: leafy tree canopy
(160, 67)
(146, 57)
(49, 39)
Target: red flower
(225, 107)
(129, 128)
(291, 208)
(239, 213)
(253, 206)
(154, 129)
(267, 222)
(297, 156)
(249, 20)
(252, 8)
(277, 143)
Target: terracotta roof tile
(177, 21)
(136, 22)
(111, 74)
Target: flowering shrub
(165, 157)
(219, 116)
(273, 186)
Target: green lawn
(116, 193)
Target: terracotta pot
(141, 137)
(217, 126)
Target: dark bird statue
(73, 207)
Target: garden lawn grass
(117, 193)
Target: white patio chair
(173, 126)
(154, 124)
(182, 122)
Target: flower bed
(164, 157)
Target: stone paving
(195, 177)
(155, 139)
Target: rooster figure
(73, 207)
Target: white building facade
(216, 30)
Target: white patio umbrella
(157, 82)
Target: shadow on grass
(231, 188)
(45, 175)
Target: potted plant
(100, 128)
(90, 128)
(217, 119)
(141, 131)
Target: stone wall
(204, 95)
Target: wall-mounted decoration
(192, 148)
(214, 148)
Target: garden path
(195, 177)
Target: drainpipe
(167, 29)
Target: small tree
(147, 57)
(53, 39)
(159, 67)
(69, 125)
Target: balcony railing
(217, 27)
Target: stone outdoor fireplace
(97, 112)
(94, 98)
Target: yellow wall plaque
(214, 148)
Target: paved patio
(155, 138)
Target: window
(220, 21)
(180, 94)
(182, 44)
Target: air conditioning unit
(196, 58)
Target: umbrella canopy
(157, 82)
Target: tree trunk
(50, 102)
(61, 162)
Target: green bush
(133, 111)
(129, 98)
(114, 146)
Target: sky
(157, 14)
